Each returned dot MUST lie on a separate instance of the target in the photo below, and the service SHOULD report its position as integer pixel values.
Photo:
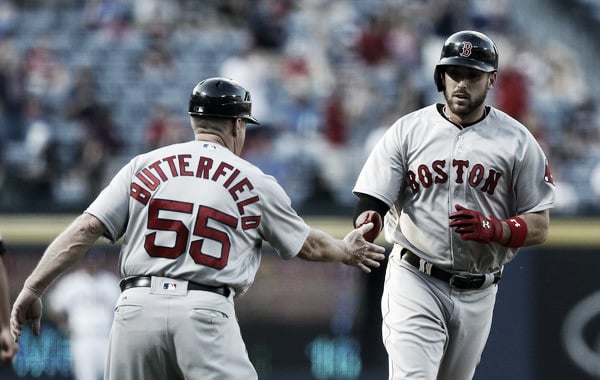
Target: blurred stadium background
(87, 84)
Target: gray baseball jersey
(424, 165)
(230, 205)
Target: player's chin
(461, 106)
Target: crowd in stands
(86, 84)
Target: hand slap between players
(364, 254)
(472, 225)
(370, 217)
(27, 306)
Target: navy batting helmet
(221, 97)
(467, 48)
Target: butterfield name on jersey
(475, 176)
(185, 165)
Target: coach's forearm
(64, 251)
(320, 246)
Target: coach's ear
(234, 128)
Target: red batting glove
(472, 225)
(370, 217)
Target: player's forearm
(320, 246)
(515, 231)
(538, 227)
(64, 251)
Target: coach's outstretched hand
(363, 254)
(27, 307)
(353, 250)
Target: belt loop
(489, 280)
(425, 267)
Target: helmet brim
(249, 119)
(466, 62)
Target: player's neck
(466, 120)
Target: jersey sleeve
(382, 175)
(111, 206)
(281, 226)
(533, 183)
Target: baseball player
(462, 187)
(83, 300)
(193, 216)
(8, 347)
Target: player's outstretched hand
(363, 254)
(27, 307)
(8, 346)
(370, 217)
(472, 225)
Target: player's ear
(492, 80)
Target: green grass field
(40, 229)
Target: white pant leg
(414, 331)
(208, 339)
(430, 330)
(469, 329)
(157, 337)
(138, 346)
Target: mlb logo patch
(168, 286)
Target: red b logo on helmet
(466, 50)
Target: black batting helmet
(467, 48)
(221, 97)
